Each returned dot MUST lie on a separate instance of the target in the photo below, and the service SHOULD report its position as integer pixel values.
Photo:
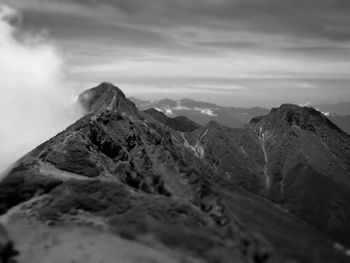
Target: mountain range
(126, 176)
(234, 117)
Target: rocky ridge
(211, 192)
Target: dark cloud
(322, 19)
(143, 22)
(68, 26)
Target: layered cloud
(136, 41)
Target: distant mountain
(203, 112)
(194, 193)
(342, 122)
(180, 123)
(342, 108)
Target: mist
(36, 101)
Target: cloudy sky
(232, 52)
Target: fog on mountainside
(36, 100)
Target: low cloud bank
(36, 99)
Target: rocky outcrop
(107, 97)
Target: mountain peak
(287, 115)
(107, 87)
(106, 96)
(287, 107)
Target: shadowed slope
(180, 123)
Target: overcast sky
(232, 52)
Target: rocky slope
(106, 97)
(206, 193)
(308, 166)
(123, 170)
(293, 156)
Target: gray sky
(232, 52)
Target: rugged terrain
(293, 156)
(233, 117)
(202, 112)
(273, 191)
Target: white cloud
(206, 111)
(217, 88)
(36, 100)
(306, 104)
(169, 112)
(305, 85)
